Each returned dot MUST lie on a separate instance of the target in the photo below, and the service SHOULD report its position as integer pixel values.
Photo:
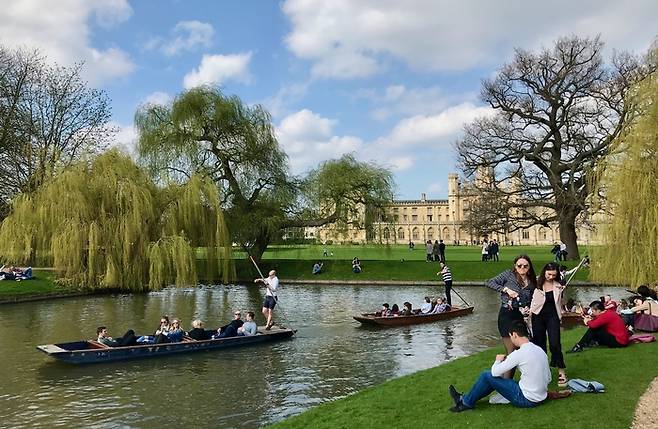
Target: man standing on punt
(272, 284)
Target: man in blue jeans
(532, 387)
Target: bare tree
(48, 119)
(557, 112)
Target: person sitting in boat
(441, 306)
(406, 309)
(385, 311)
(160, 334)
(570, 306)
(249, 327)
(395, 310)
(128, 339)
(426, 308)
(175, 333)
(608, 303)
(231, 329)
(199, 333)
(356, 265)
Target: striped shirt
(507, 279)
(447, 275)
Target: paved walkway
(645, 413)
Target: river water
(331, 356)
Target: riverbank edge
(419, 399)
(16, 299)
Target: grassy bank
(421, 400)
(41, 284)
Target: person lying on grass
(605, 327)
(531, 389)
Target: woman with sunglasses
(546, 314)
(516, 287)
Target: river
(331, 356)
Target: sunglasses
(522, 266)
(236, 314)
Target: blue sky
(392, 82)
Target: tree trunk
(260, 245)
(568, 234)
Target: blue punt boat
(90, 351)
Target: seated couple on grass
(605, 328)
(532, 388)
(15, 273)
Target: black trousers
(128, 339)
(548, 323)
(442, 257)
(448, 286)
(601, 336)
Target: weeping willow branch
(630, 256)
(104, 224)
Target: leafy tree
(104, 224)
(49, 118)
(557, 112)
(629, 179)
(205, 131)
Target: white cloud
(278, 104)
(307, 139)
(347, 39)
(157, 97)
(125, 138)
(433, 129)
(216, 69)
(63, 33)
(185, 36)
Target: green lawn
(42, 283)
(421, 400)
(390, 262)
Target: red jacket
(613, 324)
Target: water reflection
(331, 357)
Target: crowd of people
(171, 332)
(530, 312)
(15, 273)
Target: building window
(414, 218)
(387, 234)
(414, 234)
(447, 218)
(396, 217)
(429, 218)
(430, 234)
(405, 218)
(525, 234)
(400, 234)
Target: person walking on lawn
(531, 389)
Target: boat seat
(96, 345)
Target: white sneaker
(497, 398)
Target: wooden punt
(372, 319)
(90, 351)
(570, 319)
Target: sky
(392, 82)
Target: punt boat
(373, 320)
(91, 351)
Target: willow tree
(104, 224)
(203, 131)
(630, 255)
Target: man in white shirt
(272, 284)
(532, 388)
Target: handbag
(646, 322)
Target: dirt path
(646, 415)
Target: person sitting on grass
(356, 265)
(605, 327)
(426, 308)
(128, 338)
(531, 389)
(317, 268)
(249, 327)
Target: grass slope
(421, 400)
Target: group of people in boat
(530, 312)
(429, 306)
(171, 332)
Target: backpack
(584, 386)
